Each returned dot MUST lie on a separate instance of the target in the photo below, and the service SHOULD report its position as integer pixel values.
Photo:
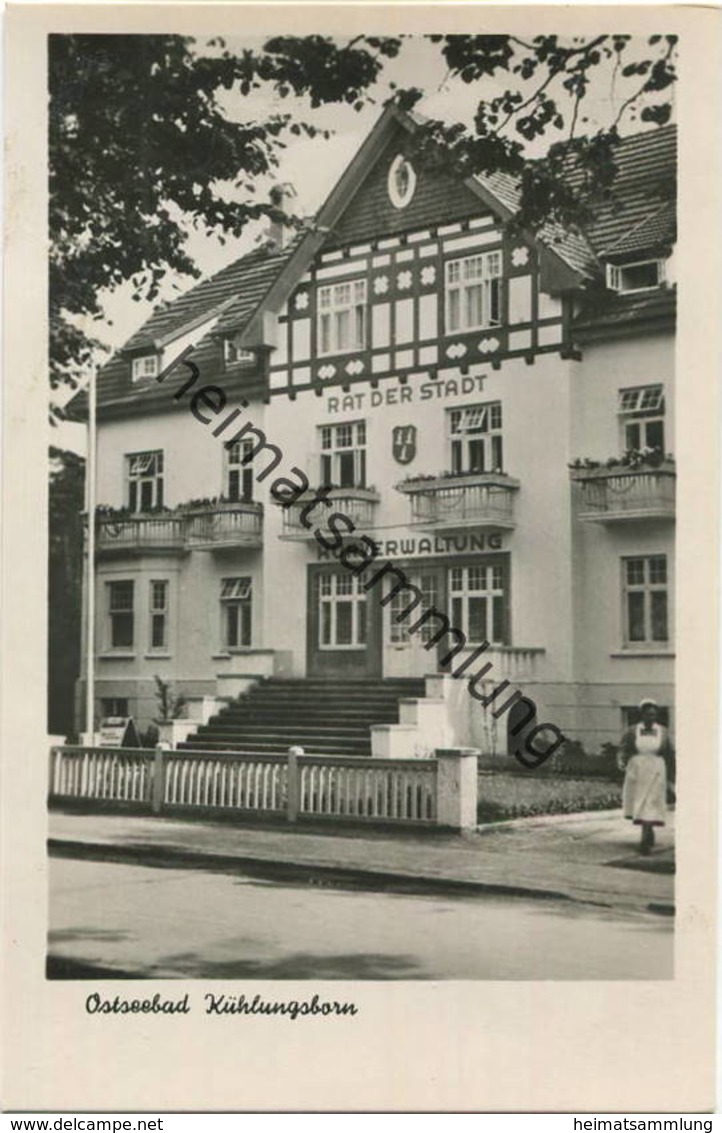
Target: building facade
(490, 412)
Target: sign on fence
(118, 731)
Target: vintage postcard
(361, 558)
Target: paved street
(145, 921)
(587, 857)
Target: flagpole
(90, 570)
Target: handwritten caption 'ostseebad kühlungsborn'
(221, 1004)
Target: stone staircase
(323, 717)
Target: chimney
(279, 234)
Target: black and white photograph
(373, 627)
(363, 583)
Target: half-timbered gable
(378, 209)
(419, 274)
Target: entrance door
(404, 652)
(344, 626)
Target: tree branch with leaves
(142, 147)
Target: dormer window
(235, 355)
(145, 367)
(644, 275)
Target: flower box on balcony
(616, 492)
(455, 480)
(619, 468)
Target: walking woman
(644, 752)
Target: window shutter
(612, 277)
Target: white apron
(644, 796)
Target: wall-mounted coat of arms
(404, 443)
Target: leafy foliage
(632, 459)
(563, 186)
(503, 796)
(141, 145)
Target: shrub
(503, 796)
(572, 759)
(171, 706)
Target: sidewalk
(588, 857)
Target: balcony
(207, 526)
(459, 503)
(163, 533)
(620, 495)
(359, 504)
(223, 526)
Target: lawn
(507, 795)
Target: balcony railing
(225, 525)
(620, 494)
(452, 503)
(137, 533)
(212, 526)
(359, 504)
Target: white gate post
(456, 787)
(158, 782)
(294, 783)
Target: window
(641, 411)
(477, 597)
(235, 355)
(145, 367)
(145, 480)
(645, 600)
(342, 317)
(341, 611)
(475, 438)
(159, 615)
(114, 706)
(343, 455)
(473, 292)
(641, 276)
(121, 614)
(236, 596)
(427, 582)
(401, 182)
(239, 473)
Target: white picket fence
(319, 787)
(236, 782)
(101, 773)
(388, 789)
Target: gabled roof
(618, 315)
(573, 248)
(228, 293)
(645, 181)
(642, 200)
(657, 230)
(639, 211)
(250, 274)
